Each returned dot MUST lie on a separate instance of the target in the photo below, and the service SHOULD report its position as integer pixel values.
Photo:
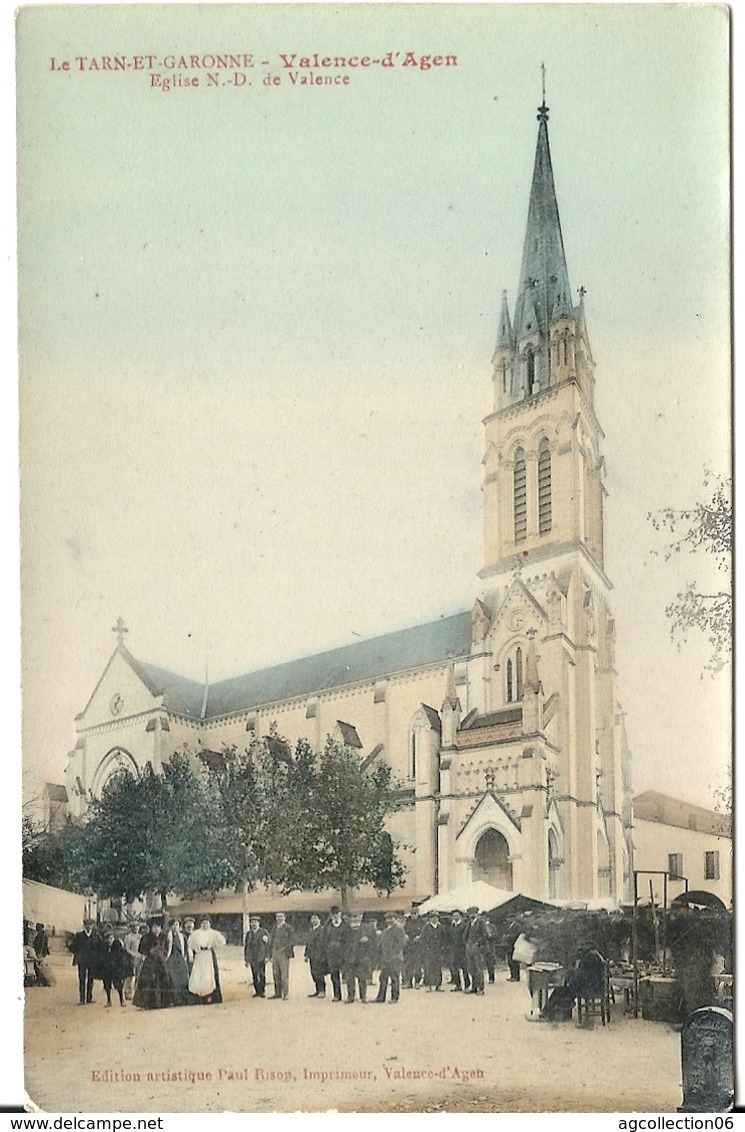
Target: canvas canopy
(477, 894)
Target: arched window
(514, 677)
(530, 362)
(554, 864)
(504, 377)
(564, 347)
(412, 755)
(544, 488)
(519, 487)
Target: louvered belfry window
(544, 488)
(520, 499)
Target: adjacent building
(690, 843)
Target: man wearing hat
(459, 964)
(391, 945)
(359, 957)
(477, 941)
(315, 954)
(256, 953)
(432, 949)
(335, 938)
(85, 949)
(282, 950)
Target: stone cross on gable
(120, 629)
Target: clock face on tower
(117, 703)
(517, 619)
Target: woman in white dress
(204, 980)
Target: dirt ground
(429, 1053)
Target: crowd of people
(155, 965)
(409, 951)
(174, 962)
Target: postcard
(375, 453)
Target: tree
(49, 856)
(340, 809)
(155, 832)
(707, 527)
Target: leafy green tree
(339, 810)
(49, 856)
(155, 833)
(705, 526)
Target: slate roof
(657, 807)
(433, 643)
(492, 719)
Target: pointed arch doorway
(491, 860)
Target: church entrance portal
(492, 860)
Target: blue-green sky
(256, 327)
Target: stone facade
(501, 721)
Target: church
(501, 722)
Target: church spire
(543, 286)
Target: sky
(256, 324)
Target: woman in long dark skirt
(177, 970)
(153, 983)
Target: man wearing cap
(85, 949)
(131, 941)
(335, 938)
(476, 940)
(392, 943)
(256, 953)
(282, 950)
(413, 973)
(114, 965)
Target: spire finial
(120, 629)
(543, 109)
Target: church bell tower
(545, 591)
(543, 490)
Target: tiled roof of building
(417, 647)
(493, 718)
(654, 806)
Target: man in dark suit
(86, 947)
(359, 957)
(459, 965)
(391, 948)
(315, 954)
(256, 953)
(335, 936)
(477, 941)
(282, 950)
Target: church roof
(417, 647)
(544, 279)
